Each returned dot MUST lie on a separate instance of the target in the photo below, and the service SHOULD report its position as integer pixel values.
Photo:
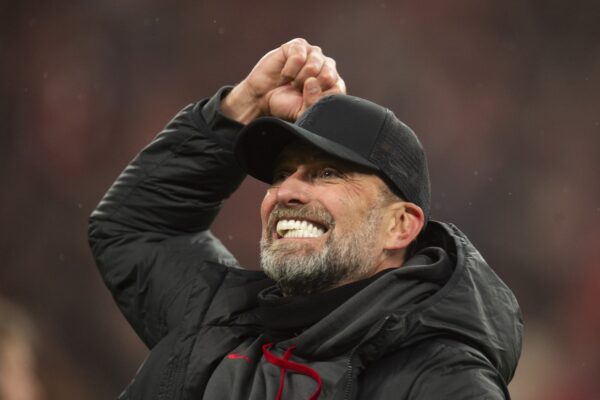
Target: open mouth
(295, 228)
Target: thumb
(311, 92)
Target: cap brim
(261, 141)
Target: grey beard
(300, 271)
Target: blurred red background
(504, 95)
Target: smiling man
(328, 221)
(361, 294)
(323, 223)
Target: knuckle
(327, 78)
(311, 69)
(294, 48)
(298, 41)
(296, 59)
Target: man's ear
(405, 222)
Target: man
(361, 295)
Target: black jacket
(443, 326)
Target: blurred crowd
(504, 95)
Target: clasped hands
(284, 83)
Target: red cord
(284, 363)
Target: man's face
(321, 222)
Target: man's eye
(329, 173)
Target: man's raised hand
(284, 83)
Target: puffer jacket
(443, 326)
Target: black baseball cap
(348, 127)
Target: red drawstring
(284, 363)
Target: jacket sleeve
(459, 373)
(149, 234)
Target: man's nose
(294, 190)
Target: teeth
(290, 228)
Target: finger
(295, 53)
(312, 68)
(311, 92)
(328, 76)
(338, 88)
